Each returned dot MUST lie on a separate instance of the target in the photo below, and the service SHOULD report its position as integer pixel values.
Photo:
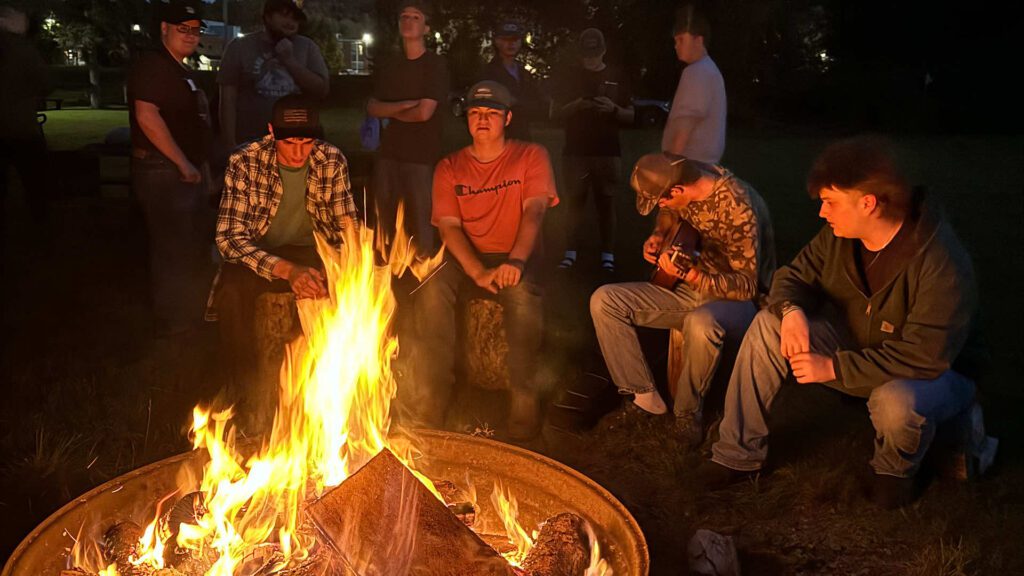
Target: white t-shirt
(701, 95)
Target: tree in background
(101, 29)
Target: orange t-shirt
(488, 197)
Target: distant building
(353, 53)
(212, 43)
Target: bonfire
(286, 507)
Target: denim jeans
(437, 327)
(412, 185)
(709, 326)
(180, 222)
(904, 412)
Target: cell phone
(609, 90)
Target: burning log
(458, 501)
(382, 520)
(120, 546)
(485, 345)
(561, 548)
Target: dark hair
(690, 19)
(867, 164)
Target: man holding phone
(593, 100)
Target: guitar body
(684, 250)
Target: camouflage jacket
(737, 246)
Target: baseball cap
(178, 11)
(656, 173)
(296, 116)
(294, 7)
(490, 94)
(508, 29)
(421, 5)
(591, 43)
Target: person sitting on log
(881, 304)
(278, 192)
(710, 295)
(489, 200)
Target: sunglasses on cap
(189, 30)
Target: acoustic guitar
(684, 252)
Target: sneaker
(689, 431)
(892, 492)
(712, 476)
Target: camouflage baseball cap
(655, 174)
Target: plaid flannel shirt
(252, 194)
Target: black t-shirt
(403, 79)
(158, 79)
(589, 132)
(875, 268)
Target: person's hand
(812, 368)
(652, 246)
(284, 49)
(487, 279)
(604, 104)
(307, 282)
(583, 104)
(189, 173)
(508, 274)
(666, 264)
(796, 338)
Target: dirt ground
(90, 394)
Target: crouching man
(881, 304)
(489, 201)
(713, 299)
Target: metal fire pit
(542, 486)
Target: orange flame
(333, 416)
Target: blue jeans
(904, 412)
(180, 223)
(436, 329)
(411, 184)
(709, 326)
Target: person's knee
(892, 407)
(606, 302)
(701, 325)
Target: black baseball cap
(657, 173)
(178, 11)
(296, 116)
(508, 29)
(294, 7)
(490, 94)
(421, 5)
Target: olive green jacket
(922, 321)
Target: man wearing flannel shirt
(279, 193)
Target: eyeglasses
(186, 29)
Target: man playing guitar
(714, 254)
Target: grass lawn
(89, 394)
(69, 129)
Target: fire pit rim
(639, 544)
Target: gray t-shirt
(700, 95)
(251, 64)
(290, 225)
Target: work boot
(524, 419)
(712, 476)
(892, 492)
